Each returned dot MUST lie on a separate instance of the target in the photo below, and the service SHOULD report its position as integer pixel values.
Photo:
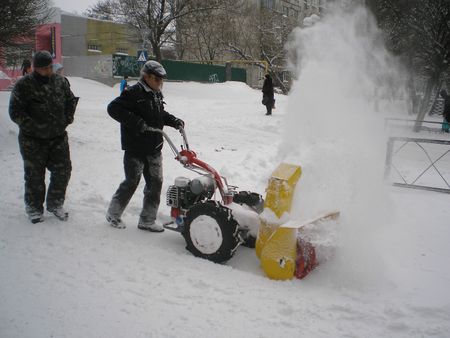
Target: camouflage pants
(39, 155)
(134, 166)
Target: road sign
(142, 56)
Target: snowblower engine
(185, 193)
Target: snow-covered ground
(85, 279)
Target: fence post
(228, 71)
(390, 147)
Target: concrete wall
(95, 67)
(73, 35)
(255, 76)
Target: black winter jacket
(42, 107)
(137, 106)
(268, 96)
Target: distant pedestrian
(446, 113)
(43, 105)
(268, 95)
(123, 83)
(139, 108)
(58, 69)
(26, 67)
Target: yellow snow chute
(277, 246)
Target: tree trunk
(157, 52)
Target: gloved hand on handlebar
(179, 123)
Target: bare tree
(19, 19)
(420, 31)
(202, 35)
(155, 20)
(105, 10)
(262, 36)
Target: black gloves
(179, 123)
(144, 128)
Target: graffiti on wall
(125, 65)
(213, 78)
(101, 67)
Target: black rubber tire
(228, 228)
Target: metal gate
(418, 163)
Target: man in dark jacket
(268, 96)
(138, 109)
(43, 105)
(446, 113)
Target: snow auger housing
(210, 226)
(283, 253)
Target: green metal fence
(125, 65)
(179, 70)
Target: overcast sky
(78, 6)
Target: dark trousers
(136, 165)
(39, 155)
(269, 109)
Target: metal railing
(388, 120)
(431, 168)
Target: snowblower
(212, 227)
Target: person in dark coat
(268, 96)
(139, 108)
(446, 113)
(26, 67)
(43, 105)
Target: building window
(270, 4)
(94, 48)
(122, 50)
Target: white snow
(3, 76)
(384, 271)
(84, 278)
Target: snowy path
(85, 279)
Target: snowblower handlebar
(171, 144)
(188, 159)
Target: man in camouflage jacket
(43, 105)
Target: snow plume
(333, 131)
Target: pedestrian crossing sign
(142, 56)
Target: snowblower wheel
(211, 232)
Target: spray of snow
(334, 132)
